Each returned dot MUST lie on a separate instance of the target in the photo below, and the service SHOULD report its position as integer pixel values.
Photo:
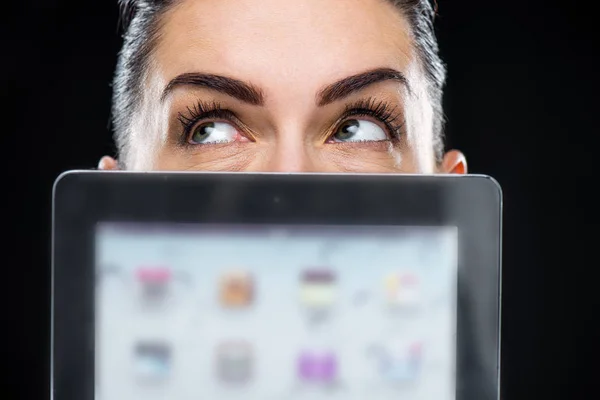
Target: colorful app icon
(234, 362)
(399, 362)
(152, 361)
(318, 288)
(236, 289)
(402, 289)
(155, 281)
(320, 367)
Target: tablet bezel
(81, 199)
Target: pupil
(203, 131)
(348, 129)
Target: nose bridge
(291, 145)
(290, 154)
(290, 150)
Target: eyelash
(377, 109)
(202, 110)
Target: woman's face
(291, 86)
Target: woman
(287, 86)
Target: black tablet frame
(81, 199)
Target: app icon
(402, 289)
(155, 282)
(319, 367)
(234, 362)
(236, 289)
(152, 361)
(399, 362)
(318, 288)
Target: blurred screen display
(275, 312)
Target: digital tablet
(275, 286)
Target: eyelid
(195, 117)
(210, 112)
(380, 111)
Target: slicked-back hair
(141, 24)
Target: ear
(108, 164)
(454, 162)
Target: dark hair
(141, 21)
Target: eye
(359, 130)
(213, 132)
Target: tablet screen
(275, 312)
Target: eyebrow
(251, 94)
(347, 86)
(232, 87)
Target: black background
(520, 102)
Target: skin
(290, 52)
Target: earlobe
(454, 162)
(108, 164)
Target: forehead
(270, 43)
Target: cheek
(250, 157)
(218, 157)
(410, 163)
(377, 157)
(419, 157)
